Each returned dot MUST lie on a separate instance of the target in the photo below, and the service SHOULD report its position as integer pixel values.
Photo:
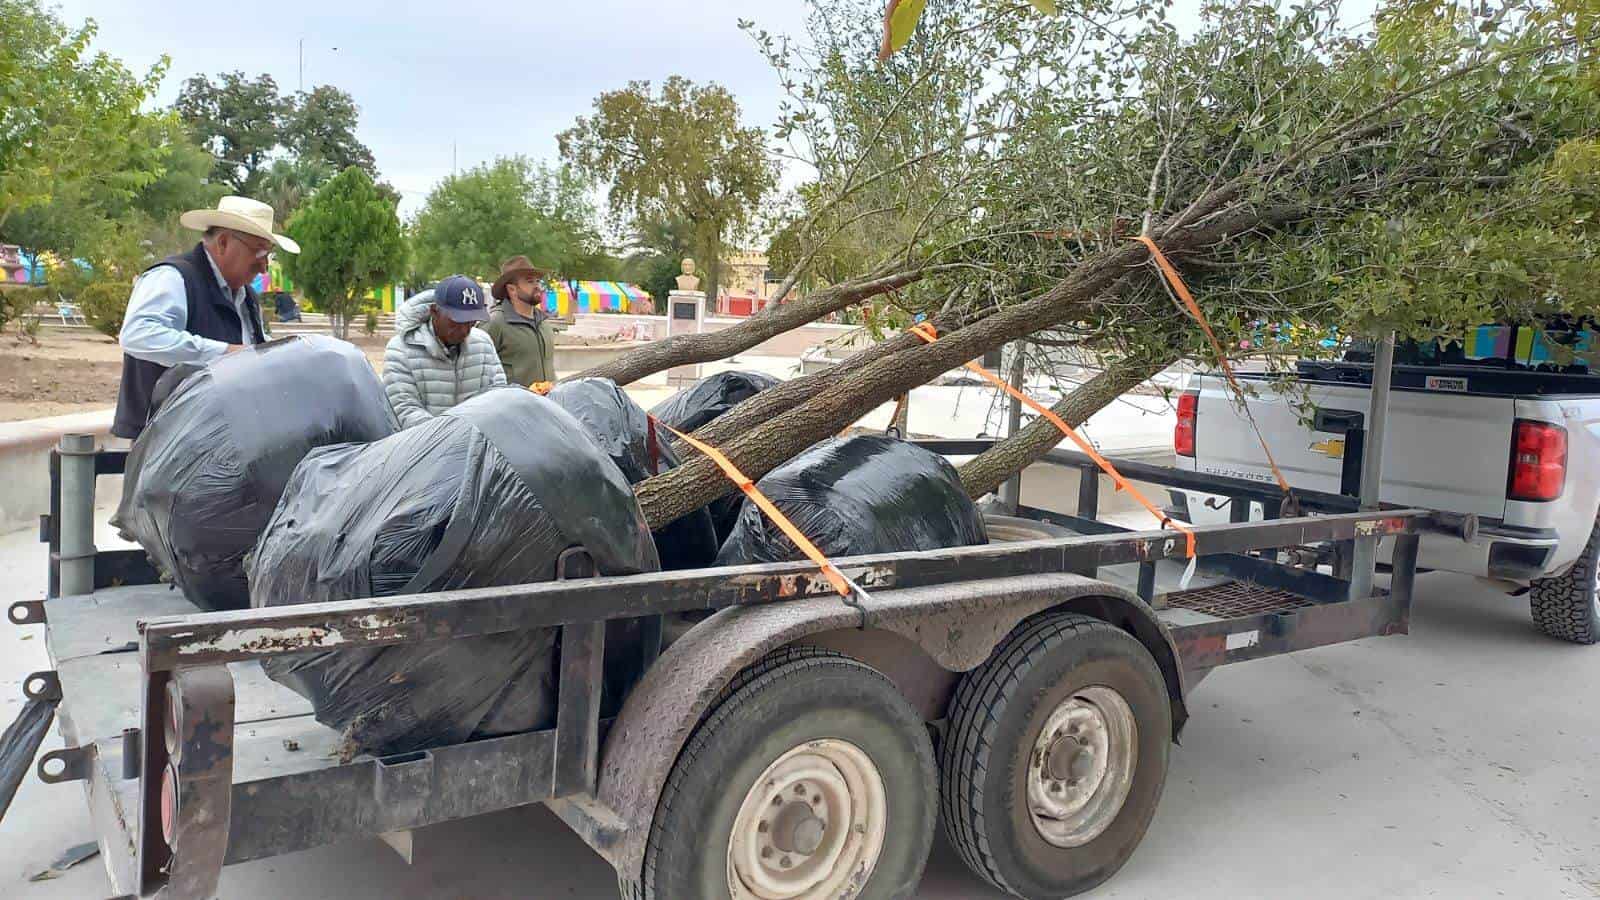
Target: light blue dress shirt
(158, 312)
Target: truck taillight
(169, 805)
(1538, 461)
(1188, 418)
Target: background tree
(320, 126)
(67, 117)
(681, 156)
(350, 242)
(237, 119)
(288, 183)
(473, 221)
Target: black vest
(211, 315)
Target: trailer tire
(1568, 605)
(1040, 815)
(829, 734)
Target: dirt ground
(77, 371)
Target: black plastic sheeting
(711, 396)
(205, 474)
(20, 744)
(488, 494)
(855, 495)
(691, 408)
(640, 448)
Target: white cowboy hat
(239, 214)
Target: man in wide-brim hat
(520, 325)
(197, 306)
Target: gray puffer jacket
(423, 377)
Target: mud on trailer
(787, 745)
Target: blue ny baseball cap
(461, 299)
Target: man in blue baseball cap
(436, 358)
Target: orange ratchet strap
(838, 579)
(929, 334)
(1182, 291)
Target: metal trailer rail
(154, 699)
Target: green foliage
(319, 126)
(655, 272)
(237, 120)
(245, 122)
(680, 156)
(104, 303)
(288, 183)
(18, 301)
(68, 118)
(350, 242)
(473, 221)
(1430, 172)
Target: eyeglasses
(265, 253)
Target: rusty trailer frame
(252, 782)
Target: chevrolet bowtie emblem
(1333, 448)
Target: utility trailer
(786, 744)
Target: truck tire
(1568, 605)
(1055, 756)
(812, 777)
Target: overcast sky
(490, 78)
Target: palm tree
(288, 183)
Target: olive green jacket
(527, 347)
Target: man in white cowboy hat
(197, 306)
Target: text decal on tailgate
(1445, 383)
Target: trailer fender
(957, 625)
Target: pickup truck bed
(1449, 448)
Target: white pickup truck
(1493, 425)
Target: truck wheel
(1055, 756)
(1568, 605)
(812, 778)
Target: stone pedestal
(686, 314)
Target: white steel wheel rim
(811, 824)
(1081, 767)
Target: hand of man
(235, 348)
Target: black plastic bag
(489, 493)
(711, 396)
(640, 448)
(855, 495)
(706, 399)
(207, 471)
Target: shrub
(104, 303)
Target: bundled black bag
(711, 396)
(640, 448)
(855, 495)
(207, 471)
(490, 493)
(706, 399)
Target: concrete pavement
(1456, 762)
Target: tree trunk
(758, 450)
(789, 394)
(686, 349)
(774, 440)
(984, 472)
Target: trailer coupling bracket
(64, 765)
(42, 686)
(26, 612)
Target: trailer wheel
(1568, 605)
(811, 778)
(1055, 756)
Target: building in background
(750, 284)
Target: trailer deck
(126, 654)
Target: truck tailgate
(1444, 451)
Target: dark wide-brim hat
(511, 268)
